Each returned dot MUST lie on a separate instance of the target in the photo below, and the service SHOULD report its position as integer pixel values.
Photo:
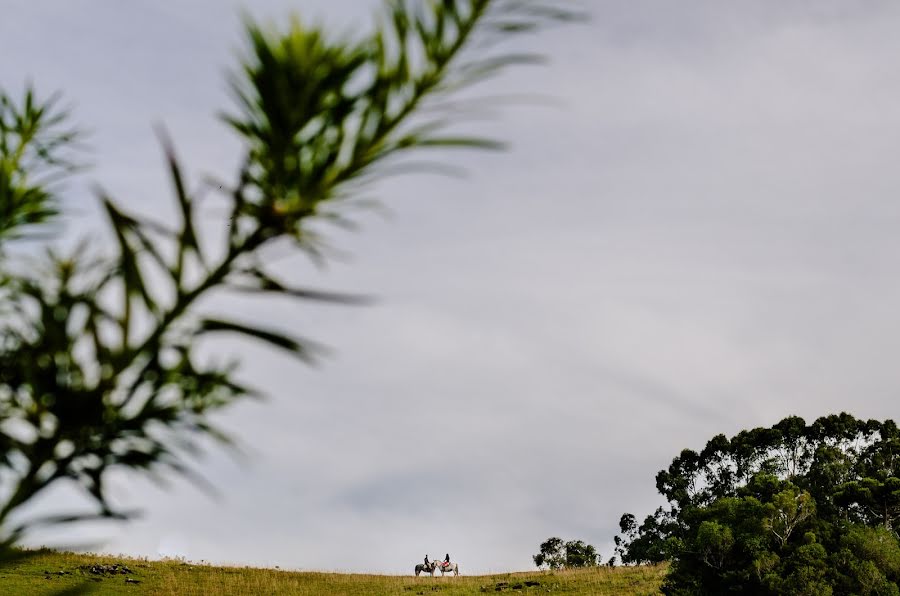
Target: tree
(791, 509)
(649, 543)
(99, 367)
(552, 554)
(555, 553)
(580, 554)
(788, 510)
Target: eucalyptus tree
(98, 366)
(556, 553)
(790, 509)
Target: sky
(694, 232)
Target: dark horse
(426, 568)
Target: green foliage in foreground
(40, 575)
(100, 367)
(791, 509)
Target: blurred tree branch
(35, 151)
(98, 367)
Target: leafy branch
(35, 151)
(98, 366)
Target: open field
(48, 572)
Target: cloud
(700, 237)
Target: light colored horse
(430, 568)
(448, 568)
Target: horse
(427, 568)
(448, 568)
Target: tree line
(795, 508)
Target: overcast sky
(699, 235)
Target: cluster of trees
(556, 553)
(98, 366)
(791, 509)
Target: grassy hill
(48, 572)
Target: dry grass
(40, 575)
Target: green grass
(40, 575)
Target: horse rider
(446, 560)
(427, 564)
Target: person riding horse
(428, 567)
(431, 567)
